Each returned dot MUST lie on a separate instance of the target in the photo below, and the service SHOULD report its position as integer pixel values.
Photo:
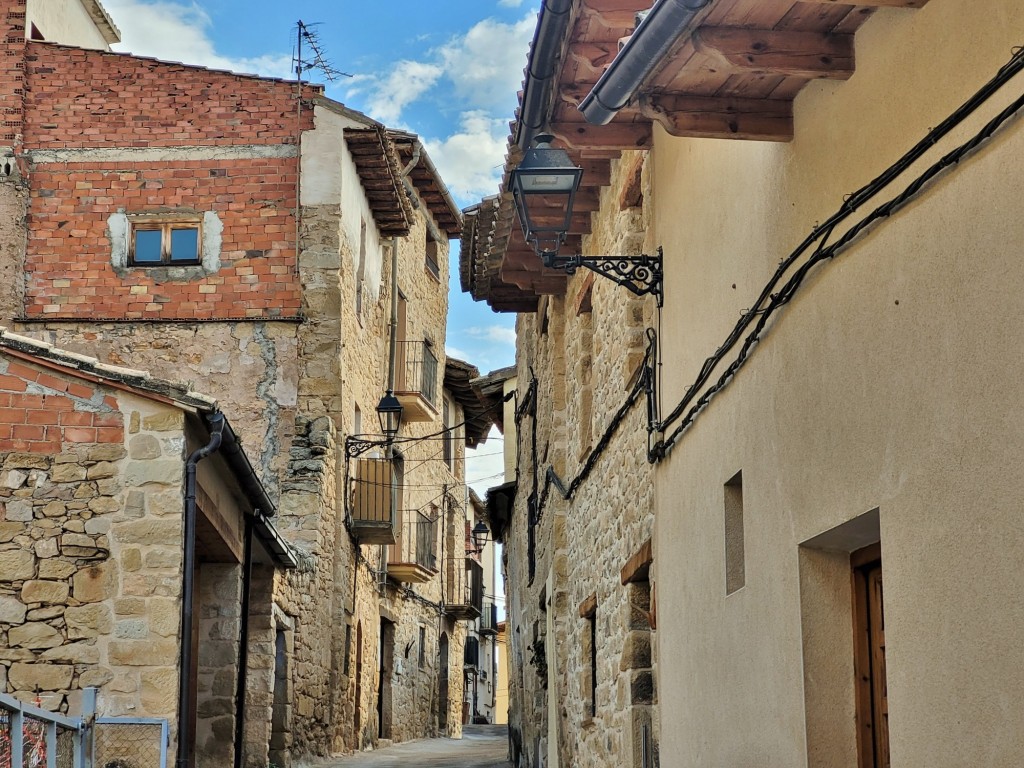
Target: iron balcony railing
(374, 497)
(416, 370)
(464, 587)
(471, 654)
(416, 542)
(489, 619)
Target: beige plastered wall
(890, 382)
(66, 22)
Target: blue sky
(448, 70)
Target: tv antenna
(308, 34)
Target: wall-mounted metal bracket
(643, 274)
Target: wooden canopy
(732, 73)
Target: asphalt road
(481, 746)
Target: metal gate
(31, 737)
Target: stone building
(830, 393)
(265, 244)
(95, 458)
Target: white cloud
(457, 353)
(407, 81)
(177, 31)
(510, 3)
(486, 65)
(484, 69)
(470, 160)
(496, 333)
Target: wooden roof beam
(721, 118)
(614, 136)
(810, 55)
(613, 14)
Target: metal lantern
(544, 188)
(389, 411)
(480, 534)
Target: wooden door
(869, 666)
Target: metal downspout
(188, 584)
(642, 52)
(243, 643)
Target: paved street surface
(481, 746)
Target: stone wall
(90, 558)
(272, 333)
(585, 350)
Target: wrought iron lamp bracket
(643, 274)
(357, 445)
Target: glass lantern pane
(147, 246)
(185, 244)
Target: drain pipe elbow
(641, 53)
(217, 422)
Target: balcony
(373, 501)
(489, 619)
(471, 654)
(464, 588)
(413, 556)
(416, 381)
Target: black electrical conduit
(644, 385)
(770, 301)
(640, 54)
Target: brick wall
(83, 98)
(69, 261)
(220, 144)
(45, 414)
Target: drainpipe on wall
(243, 642)
(640, 54)
(216, 420)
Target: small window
(448, 446)
(588, 612)
(160, 243)
(431, 262)
(423, 648)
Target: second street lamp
(544, 188)
(389, 411)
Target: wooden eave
(379, 168)
(733, 73)
(428, 183)
(458, 377)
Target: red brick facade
(85, 100)
(45, 413)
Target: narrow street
(481, 746)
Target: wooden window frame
(431, 262)
(165, 226)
